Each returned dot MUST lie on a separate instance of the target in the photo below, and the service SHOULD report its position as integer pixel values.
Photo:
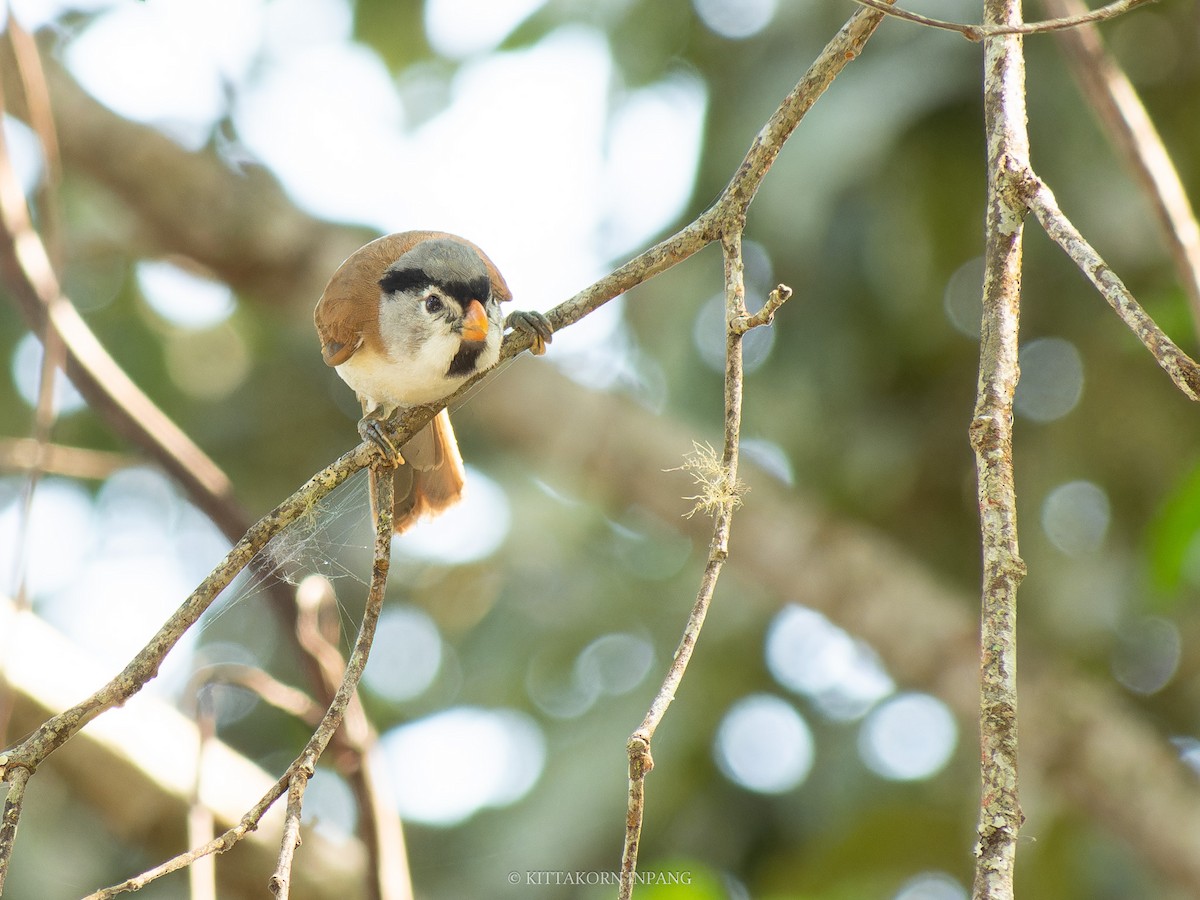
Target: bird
(405, 321)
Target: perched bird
(405, 321)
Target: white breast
(412, 372)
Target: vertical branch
(281, 881)
(202, 877)
(14, 802)
(721, 496)
(991, 438)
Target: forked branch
(991, 29)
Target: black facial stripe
(466, 291)
(409, 280)
(415, 281)
(465, 361)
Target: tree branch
(1129, 127)
(307, 760)
(991, 437)
(1182, 369)
(990, 29)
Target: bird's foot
(534, 324)
(371, 428)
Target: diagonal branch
(1123, 117)
(306, 762)
(1182, 369)
(55, 732)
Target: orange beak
(475, 324)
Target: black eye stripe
(407, 280)
(415, 281)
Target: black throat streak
(466, 361)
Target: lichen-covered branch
(1182, 369)
(991, 437)
(1129, 127)
(721, 496)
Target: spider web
(333, 538)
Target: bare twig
(724, 220)
(1125, 120)
(765, 316)
(991, 438)
(1182, 369)
(281, 880)
(22, 454)
(202, 876)
(270, 690)
(325, 730)
(379, 822)
(731, 206)
(721, 502)
(14, 803)
(988, 29)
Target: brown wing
(346, 316)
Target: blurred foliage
(872, 208)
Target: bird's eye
(434, 304)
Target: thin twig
(14, 803)
(725, 214)
(1181, 368)
(974, 32)
(379, 823)
(991, 437)
(1124, 119)
(22, 454)
(766, 315)
(725, 501)
(724, 220)
(280, 882)
(202, 876)
(267, 688)
(325, 730)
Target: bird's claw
(535, 325)
(371, 429)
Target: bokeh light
(1147, 654)
(195, 50)
(461, 28)
(406, 656)
(1051, 379)
(482, 515)
(963, 298)
(1075, 517)
(329, 805)
(931, 886)
(808, 654)
(764, 745)
(60, 533)
(736, 19)
(448, 766)
(615, 663)
(24, 153)
(908, 737)
(27, 377)
(184, 298)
